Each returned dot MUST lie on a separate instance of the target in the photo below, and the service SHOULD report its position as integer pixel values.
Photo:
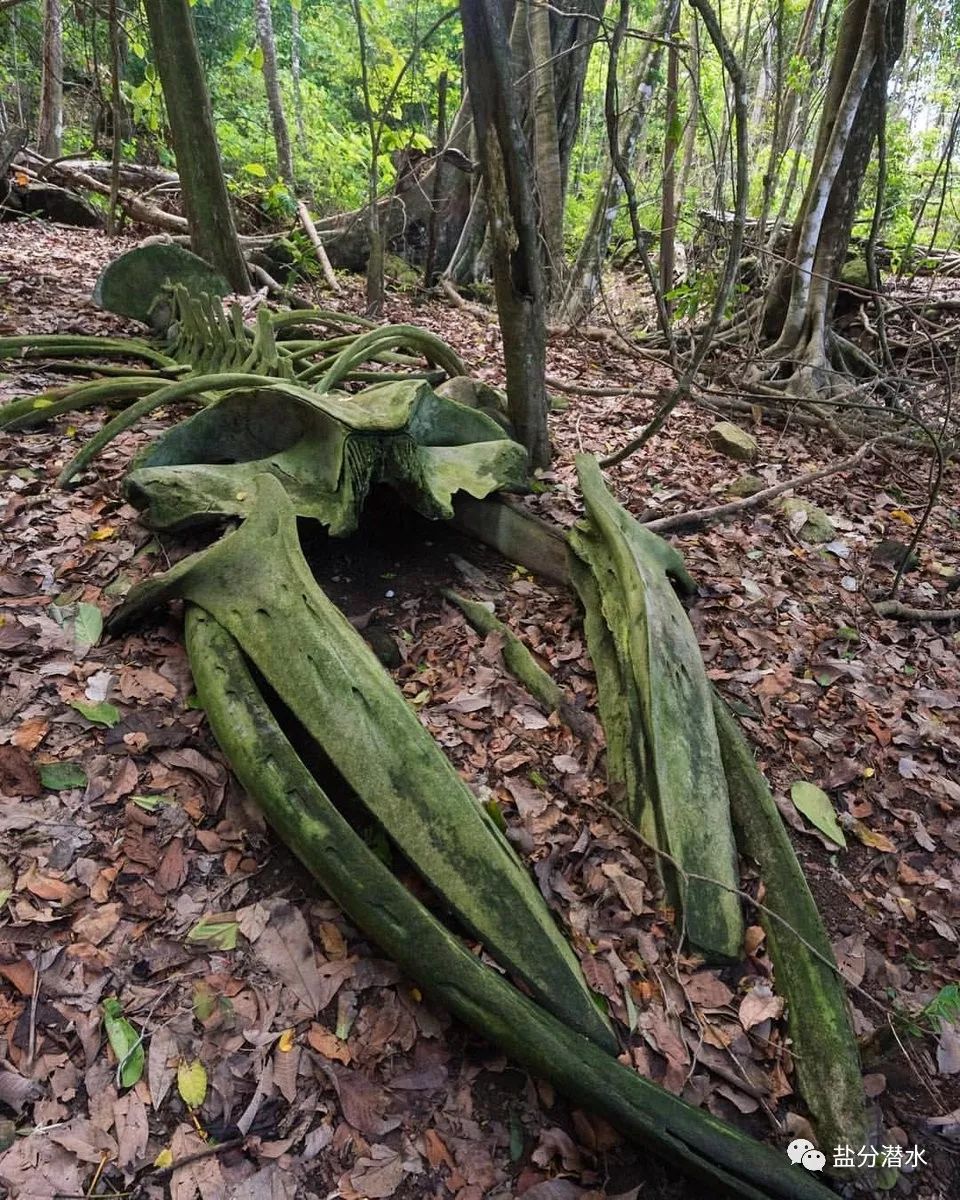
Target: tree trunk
(263, 19)
(800, 300)
(671, 143)
(546, 143)
(374, 228)
(50, 123)
(213, 235)
(116, 105)
(584, 277)
(508, 175)
(295, 74)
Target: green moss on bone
(256, 583)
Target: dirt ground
(133, 866)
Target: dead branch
(311, 231)
(697, 518)
(906, 612)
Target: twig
(744, 895)
(697, 518)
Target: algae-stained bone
(654, 695)
(257, 585)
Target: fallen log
(133, 206)
(267, 765)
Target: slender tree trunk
(374, 230)
(671, 142)
(546, 142)
(800, 301)
(113, 20)
(584, 277)
(50, 124)
(436, 193)
(295, 50)
(263, 18)
(693, 116)
(508, 175)
(213, 234)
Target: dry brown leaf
(759, 1004)
(96, 925)
(30, 733)
(706, 989)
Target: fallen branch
(311, 231)
(264, 278)
(906, 612)
(135, 207)
(698, 518)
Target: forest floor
(133, 865)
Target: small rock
(746, 485)
(817, 527)
(733, 441)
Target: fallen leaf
(192, 1083)
(18, 775)
(30, 733)
(817, 807)
(759, 1004)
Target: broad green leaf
(192, 1083)
(100, 712)
(256, 57)
(255, 168)
(61, 776)
(87, 625)
(125, 1042)
(152, 803)
(816, 806)
(218, 932)
(204, 1001)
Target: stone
(746, 485)
(817, 527)
(733, 441)
(131, 283)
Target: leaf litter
(137, 869)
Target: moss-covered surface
(256, 583)
(656, 706)
(327, 451)
(824, 1046)
(727, 1161)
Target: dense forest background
(784, 49)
